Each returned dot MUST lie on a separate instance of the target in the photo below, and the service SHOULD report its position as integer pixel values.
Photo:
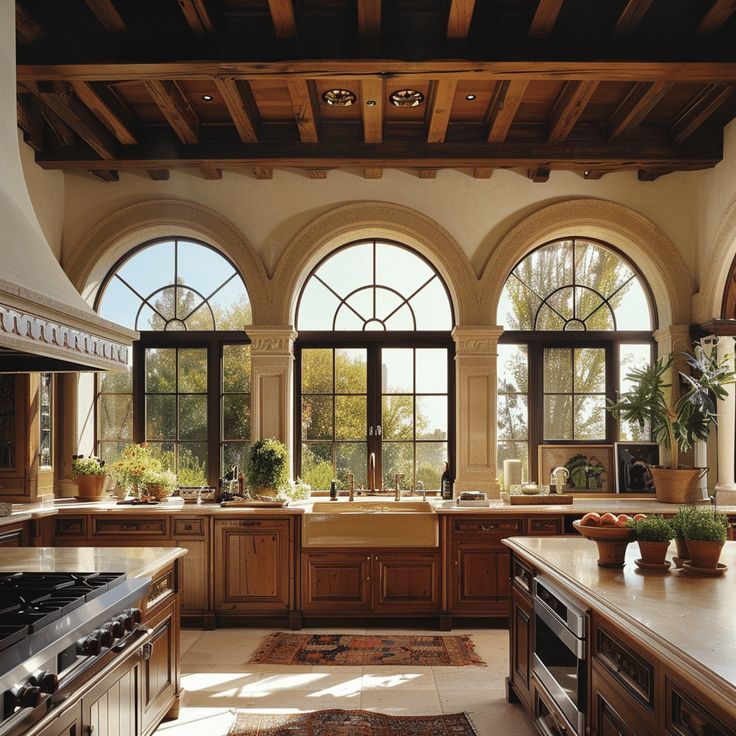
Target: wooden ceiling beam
(632, 14)
(373, 173)
(545, 18)
(304, 109)
(540, 174)
(239, 100)
(175, 108)
(427, 173)
(652, 174)
(680, 72)
(505, 101)
(108, 16)
(317, 173)
(263, 172)
(718, 13)
(61, 100)
(699, 109)
(283, 18)
(210, 173)
(26, 27)
(58, 127)
(633, 109)
(440, 107)
(459, 18)
(158, 174)
(30, 120)
(117, 118)
(197, 16)
(568, 108)
(482, 172)
(369, 18)
(372, 92)
(105, 174)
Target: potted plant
(705, 532)
(159, 484)
(296, 490)
(676, 424)
(134, 463)
(653, 533)
(679, 524)
(90, 475)
(268, 466)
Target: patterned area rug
(350, 723)
(362, 649)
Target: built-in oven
(559, 662)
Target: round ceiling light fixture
(370, 103)
(470, 98)
(339, 97)
(407, 98)
(207, 98)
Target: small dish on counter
(689, 568)
(612, 542)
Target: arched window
(187, 390)
(374, 369)
(578, 317)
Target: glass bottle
(446, 483)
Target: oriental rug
(367, 649)
(349, 723)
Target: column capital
(476, 339)
(673, 338)
(271, 339)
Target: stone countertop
(136, 562)
(685, 619)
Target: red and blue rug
(367, 649)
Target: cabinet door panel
(113, 712)
(479, 579)
(336, 581)
(194, 574)
(521, 648)
(159, 675)
(406, 581)
(69, 723)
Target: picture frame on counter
(632, 466)
(591, 467)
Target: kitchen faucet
(398, 477)
(419, 486)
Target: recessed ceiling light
(207, 98)
(370, 103)
(469, 97)
(407, 98)
(587, 172)
(339, 97)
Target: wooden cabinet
(611, 711)
(68, 722)
(192, 533)
(407, 582)
(690, 714)
(14, 535)
(337, 581)
(521, 647)
(253, 570)
(110, 708)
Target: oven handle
(575, 645)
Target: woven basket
(677, 485)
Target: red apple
(622, 520)
(639, 517)
(591, 519)
(608, 519)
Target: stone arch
(374, 220)
(640, 239)
(113, 236)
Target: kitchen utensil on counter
(612, 542)
(560, 476)
(511, 473)
(530, 489)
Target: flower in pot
(159, 484)
(267, 467)
(136, 460)
(676, 424)
(296, 490)
(705, 532)
(679, 524)
(90, 475)
(653, 533)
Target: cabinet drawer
(188, 527)
(544, 525)
(686, 716)
(161, 590)
(70, 526)
(522, 576)
(116, 527)
(487, 526)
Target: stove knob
(116, 627)
(126, 620)
(46, 680)
(136, 613)
(28, 696)
(107, 636)
(91, 645)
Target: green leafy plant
(676, 425)
(268, 464)
(680, 519)
(91, 465)
(707, 525)
(164, 479)
(296, 490)
(134, 463)
(653, 528)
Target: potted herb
(268, 466)
(159, 484)
(679, 524)
(296, 490)
(676, 425)
(705, 532)
(135, 462)
(90, 475)
(653, 533)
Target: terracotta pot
(91, 485)
(677, 485)
(682, 552)
(157, 491)
(265, 491)
(611, 554)
(703, 553)
(653, 553)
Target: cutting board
(549, 500)
(253, 504)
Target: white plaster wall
(477, 213)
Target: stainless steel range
(56, 629)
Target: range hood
(45, 325)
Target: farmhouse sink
(370, 524)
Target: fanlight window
(574, 285)
(374, 285)
(176, 285)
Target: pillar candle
(511, 473)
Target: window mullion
(214, 411)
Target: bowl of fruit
(611, 533)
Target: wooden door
(479, 579)
(111, 707)
(195, 568)
(522, 645)
(338, 581)
(67, 723)
(406, 581)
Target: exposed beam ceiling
(369, 18)
(239, 100)
(304, 113)
(699, 109)
(632, 14)
(197, 16)
(284, 20)
(372, 114)
(545, 18)
(719, 12)
(505, 102)
(110, 111)
(443, 95)
(175, 108)
(108, 15)
(637, 104)
(568, 108)
(459, 18)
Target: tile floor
(217, 680)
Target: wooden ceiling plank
(718, 13)
(263, 172)
(197, 16)
(108, 15)
(545, 18)
(317, 173)
(699, 109)
(304, 109)
(283, 18)
(373, 173)
(372, 91)
(369, 18)
(158, 174)
(105, 174)
(633, 109)
(30, 120)
(238, 97)
(539, 174)
(119, 121)
(460, 18)
(59, 128)
(210, 173)
(175, 108)
(568, 108)
(505, 101)
(61, 100)
(443, 94)
(483, 172)
(27, 28)
(632, 14)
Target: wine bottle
(446, 483)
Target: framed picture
(632, 466)
(590, 467)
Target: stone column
(272, 380)
(726, 487)
(475, 411)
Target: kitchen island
(660, 648)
